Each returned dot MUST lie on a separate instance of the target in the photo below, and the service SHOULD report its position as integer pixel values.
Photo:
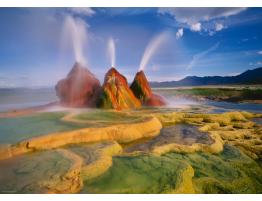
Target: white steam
(112, 51)
(152, 48)
(74, 31)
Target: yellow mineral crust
(185, 183)
(221, 119)
(231, 127)
(122, 133)
(72, 181)
(103, 163)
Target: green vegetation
(228, 94)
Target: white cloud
(201, 55)
(193, 15)
(85, 11)
(196, 18)
(195, 27)
(259, 63)
(179, 33)
(219, 26)
(260, 52)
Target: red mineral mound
(79, 89)
(143, 92)
(116, 93)
(155, 100)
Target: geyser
(74, 30)
(116, 93)
(143, 92)
(79, 89)
(111, 51)
(151, 49)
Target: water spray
(111, 51)
(75, 29)
(152, 48)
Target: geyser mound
(79, 89)
(143, 92)
(116, 93)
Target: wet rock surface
(116, 93)
(142, 90)
(191, 153)
(25, 173)
(180, 134)
(79, 89)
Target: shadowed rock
(79, 89)
(143, 92)
(116, 93)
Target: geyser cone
(116, 93)
(79, 89)
(141, 87)
(142, 90)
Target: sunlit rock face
(79, 89)
(143, 92)
(116, 94)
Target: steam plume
(152, 48)
(112, 51)
(75, 30)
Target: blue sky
(198, 41)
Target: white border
(130, 3)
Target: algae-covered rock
(70, 182)
(143, 92)
(231, 171)
(141, 87)
(27, 173)
(144, 174)
(116, 93)
(97, 157)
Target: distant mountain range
(248, 77)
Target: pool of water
(19, 98)
(227, 106)
(101, 117)
(257, 120)
(13, 130)
(180, 134)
